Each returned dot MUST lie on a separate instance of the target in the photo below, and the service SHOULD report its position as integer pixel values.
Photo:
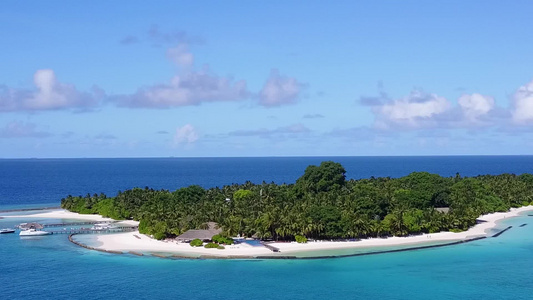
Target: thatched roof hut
(202, 234)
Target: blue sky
(250, 78)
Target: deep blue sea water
(52, 268)
(46, 181)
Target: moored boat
(33, 232)
(7, 230)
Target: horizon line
(272, 156)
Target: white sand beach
(134, 241)
(65, 214)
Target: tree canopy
(322, 204)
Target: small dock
(74, 224)
(23, 225)
(67, 228)
(91, 230)
(269, 247)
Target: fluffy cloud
(17, 129)
(185, 135)
(279, 90)
(422, 110)
(49, 94)
(415, 110)
(181, 56)
(475, 106)
(523, 104)
(192, 88)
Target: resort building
(202, 234)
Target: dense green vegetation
(322, 204)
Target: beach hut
(202, 234)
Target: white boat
(7, 230)
(33, 232)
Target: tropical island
(320, 205)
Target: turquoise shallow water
(52, 268)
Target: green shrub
(219, 239)
(196, 243)
(300, 239)
(159, 235)
(211, 245)
(221, 247)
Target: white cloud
(279, 90)
(415, 110)
(181, 56)
(185, 135)
(475, 106)
(49, 94)
(192, 88)
(523, 104)
(421, 110)
(17, 129)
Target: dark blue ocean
(46, 181)
(52, 268)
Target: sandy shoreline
(67, 215)
(134, 241)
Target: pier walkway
(91, 230)
(269, 247)
(21, 226)
(66, 228)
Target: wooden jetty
(67, 229)
(269, 247)
(91, 230)
(76, 224)
(65, 224)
